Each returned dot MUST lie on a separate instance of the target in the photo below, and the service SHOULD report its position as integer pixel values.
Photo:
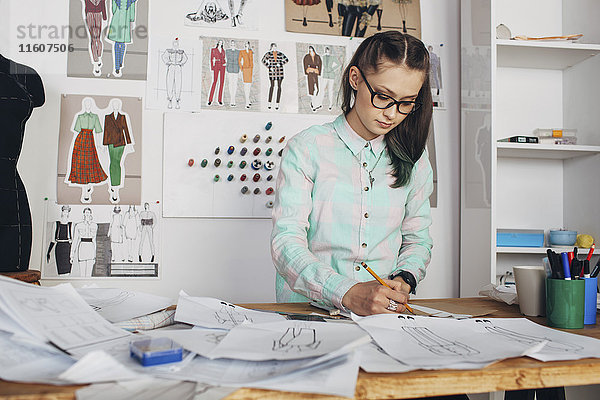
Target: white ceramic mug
(531, 289)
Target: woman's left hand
(405, 287)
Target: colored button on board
(230, 164)
(256, 164)
(268, 126)
(280, 153)
(269, 204)
(268, 139)
(269, 151)
(242, 164)
(204, 163)
(256, 138)
(243, 138)
(281, 139)
(230, 177)
(256, 151)
(257, 191)
(245, 190)
(256, 177)
(269, 165)
(216, 178)
(243, 151)
(217, 150)
(270, 177)
(243, 177)
(217, 162)
(269, 191)
(191, 162)
(230, 150)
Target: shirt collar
(353, 140)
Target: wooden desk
(514, 374)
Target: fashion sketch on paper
(307, 3)
(174, 58)
(331, 67)
(312, 69)
(61, 242)
(211, 12)
(275, 60)
(94, 18)
(232, 56)
(131, 223)
(84, 165)
(83, 251)
(356, 15)
(117, 138)
(229, 315)
(246, 63)
(116, 233)
(147, 223)
(119, 31)
(217, 65)
(435, 72)
(297, 339)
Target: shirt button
(364, 245)
(366, 145)
(365, 164)
(366, 215)
(366, 189)
(357, 268)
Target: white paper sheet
(214, 313)
(26, 362)
(98, 366)
(57, 314)
(117, 305)
(198, 340)
(144, 389)
(427, 342)
(286, 340)
(336, 377)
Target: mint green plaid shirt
(327, 217)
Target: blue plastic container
(591, 288)
(519, 238)
(562, 238)
(156, 351)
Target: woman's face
(87, 215)
(393, 80)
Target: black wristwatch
(408, 278)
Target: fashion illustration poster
(99, 150)
(320, 68)
(115, 44)
(230, 78)
(278, 76)
(236, 14)
(82, 241)
(356, 18)
(174, 74)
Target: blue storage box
(520, 238)
(156, 351)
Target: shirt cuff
(336, 287)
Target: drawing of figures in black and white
(275, 61)
(214, 13)
(332, 66)
(435, 74)
(83, 251)
(228, 315)
(95, 17)
(297, 339)
(437, 344)
(147, 223)
(132, 230)
(116, 233)
(61, 243)
(174, 58)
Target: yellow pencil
(369, 270)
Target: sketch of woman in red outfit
(83, 166)
(217, 65)
(94, 16)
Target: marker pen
(566, 267)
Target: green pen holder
(565, 303)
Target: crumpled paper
(502, 293)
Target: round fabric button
(268, 126)
(269, 152)
(243, 177)
(256, 164)
(256, 177)
(245, 190)
(365, 164)
(256, 138)
(243, 151)
(364, 245)
(242, 164)
(269, 191)
(204, 163)
(230, 177)
(256, 151)
(257, 191)
(230, 164)
(269, 204)
(366, 215)
(357, 268)
(216, 178)
(217, 162)
(366, 188)
(230, 150)
(269, 165)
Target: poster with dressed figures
(101, 241)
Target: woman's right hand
(367, 298)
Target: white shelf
(543, 55)
(546, 151)
(542, 250)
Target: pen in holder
(591, 287)
(565, 303)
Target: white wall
(229, 259)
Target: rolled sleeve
(298, 266)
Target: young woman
(357, 189)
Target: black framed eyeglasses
(383, 101)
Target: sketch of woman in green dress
(119, 30)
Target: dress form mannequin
(21, 90)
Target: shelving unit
(510, 88)
(539, 250)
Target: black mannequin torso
(21, 90)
